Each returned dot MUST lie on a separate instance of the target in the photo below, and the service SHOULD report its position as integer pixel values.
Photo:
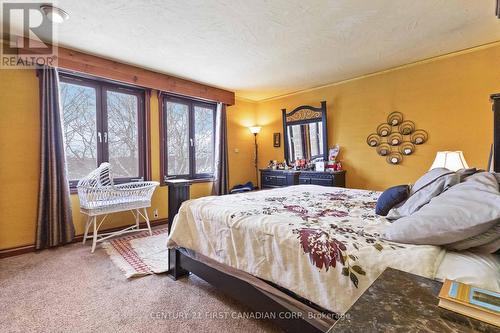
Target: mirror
(304, 133)
(305, 141)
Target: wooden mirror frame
(305, 114)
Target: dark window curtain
(54, 222)
(221, 174)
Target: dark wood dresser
(270, 178)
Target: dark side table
(402, 302)
(178, 192)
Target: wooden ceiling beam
(114, 70)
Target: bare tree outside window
(189, 132)
(178, 138)
(79, 117)
(103, 122)
(123, 139)
(204, 139)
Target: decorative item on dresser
(279, 178)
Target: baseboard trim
(15, 251)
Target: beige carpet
(71, 290)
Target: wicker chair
(100, 196)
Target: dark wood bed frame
(181, 265)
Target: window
(103, 122)
(188, 137)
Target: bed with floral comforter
(322, 243)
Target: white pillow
(482, 271)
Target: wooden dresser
(279, 178)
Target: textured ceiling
(265, 48)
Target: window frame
(164, 98)
(102, 86)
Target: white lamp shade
(255, 129)
(451, 160)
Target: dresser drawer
(322, 181)
(268, 179)
(278, 178)
(323, 178)
(316, 179)
(304, 181)
(280, 181)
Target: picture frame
(277, 140)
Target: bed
(305, 253)
(320, 244)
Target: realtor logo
(27, 36)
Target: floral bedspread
(322, 243)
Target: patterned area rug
(140, 254)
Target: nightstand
(178, 192)
(402, 302)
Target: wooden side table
(402, 302)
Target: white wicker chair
(100, 196)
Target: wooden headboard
(496, 132)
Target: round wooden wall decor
(407, 148)
(384, 130)
(419, 137)
(395, 118)
(384, 149)
(407, 127)
(394, 158)
(373, 140)
(396, 138)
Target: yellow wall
(448, 97)
(19, 159)
(241, 142)
(19, 156)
